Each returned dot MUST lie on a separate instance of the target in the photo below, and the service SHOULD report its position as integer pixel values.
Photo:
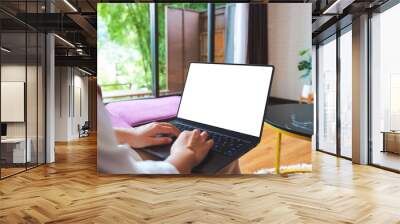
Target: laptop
(229, 102)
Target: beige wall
(34, 126)
(71, 102)
(17, 73)
(62, 82)
(289, 31)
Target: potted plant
(304, 67)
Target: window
(124, 46)
(385, 88)
(335, 93)
(22, 78)
(181, 34)
(124, 56)
(327, 95)
(346, 93)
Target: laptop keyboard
(226, 145)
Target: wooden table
(391, 141)
(295, 120)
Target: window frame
(27, 29)
(380, 9)
(333, 37)
(154, 45)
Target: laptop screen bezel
(266, 103)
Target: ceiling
(75, 21)
(330, 15)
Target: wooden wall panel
(219, 40)
(191, 39)
(174, 24)
(183, 45)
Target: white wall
(12, 73)
(34, 125)
(62, 82)
(82, 82)
(289, 31)
(80, 111)
(71, 94)
(16, 73)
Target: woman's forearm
(124, 135)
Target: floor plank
(294, 151)
(70, 191)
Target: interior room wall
(80, 109)
(62, 81)
(41, 114)
(71, 87)
(289, 31)
(16, 73)
(33, 127)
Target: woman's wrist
(183, 162)
(126, 136)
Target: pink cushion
(117, 122)
(137, 112)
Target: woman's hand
(189, 149)
(147, 135)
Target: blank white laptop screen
(232, 97)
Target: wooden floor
(10, 171)
(70, 191)
(294, 152)
(386, 159)
(5, 172)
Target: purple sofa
(132, 113)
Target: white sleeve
(115, 159)
(123, 160)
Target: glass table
(295, 120)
